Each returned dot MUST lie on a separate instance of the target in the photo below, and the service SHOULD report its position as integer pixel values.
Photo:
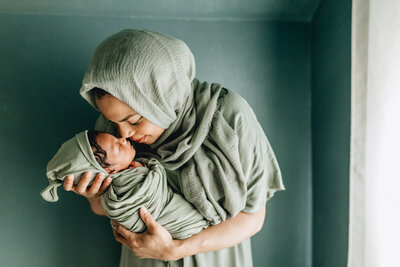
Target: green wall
(43, 59)
(331, 91)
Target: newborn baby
(112, 153)
(134, 183)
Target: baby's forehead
(105, 139)
(106, 134)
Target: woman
(206, 136)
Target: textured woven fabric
(154, 74)
(74, 157)
(213, 145)
(130, 189)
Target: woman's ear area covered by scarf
(150, 72)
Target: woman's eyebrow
(129, 116)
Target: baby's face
(120, 152)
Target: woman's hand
(154, 243)
(82, 188)
(157, 243)
(92, 193)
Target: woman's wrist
(96, 206)
(223, 235)
(187, 247)
(177, 250)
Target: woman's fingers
(105, 185)
(81, 187)
(147, 218)
(154, 243)
(69, 183)
(97, 188)
(125, 233)
(94, 189)
(120, 238)
(125, 237)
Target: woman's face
(130, 124)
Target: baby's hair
(98, 93)
(99, 153)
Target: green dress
(218, 153)
(261, 184)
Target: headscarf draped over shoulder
(154, 75)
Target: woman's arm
(157, 243)
(96, 206)
(226, 234)
(92, 193)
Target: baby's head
(112, 153)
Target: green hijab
(154, 74)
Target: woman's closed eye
(136, 122)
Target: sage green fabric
(154, 74)
(147, 186)
(237, 256)
(221, 158)
(130, 189)
(254, 149)
(139, 59)
(74, 157)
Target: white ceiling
(292, 10)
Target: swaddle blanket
(154, 75)
(130, 189)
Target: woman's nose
(122, 140)
(125, 131)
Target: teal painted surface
(43, 61)
(331, 91)
(299, 10)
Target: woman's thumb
(147, 218)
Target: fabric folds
(154, 74)
(74, 157)
(215, 151)
(129, 191)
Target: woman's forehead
(114, 109)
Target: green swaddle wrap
(154, 75)
(130, 189)
(74, 157)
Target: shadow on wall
(42, 68)
(44, 60)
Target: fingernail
(69, 178)
(145, 211)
